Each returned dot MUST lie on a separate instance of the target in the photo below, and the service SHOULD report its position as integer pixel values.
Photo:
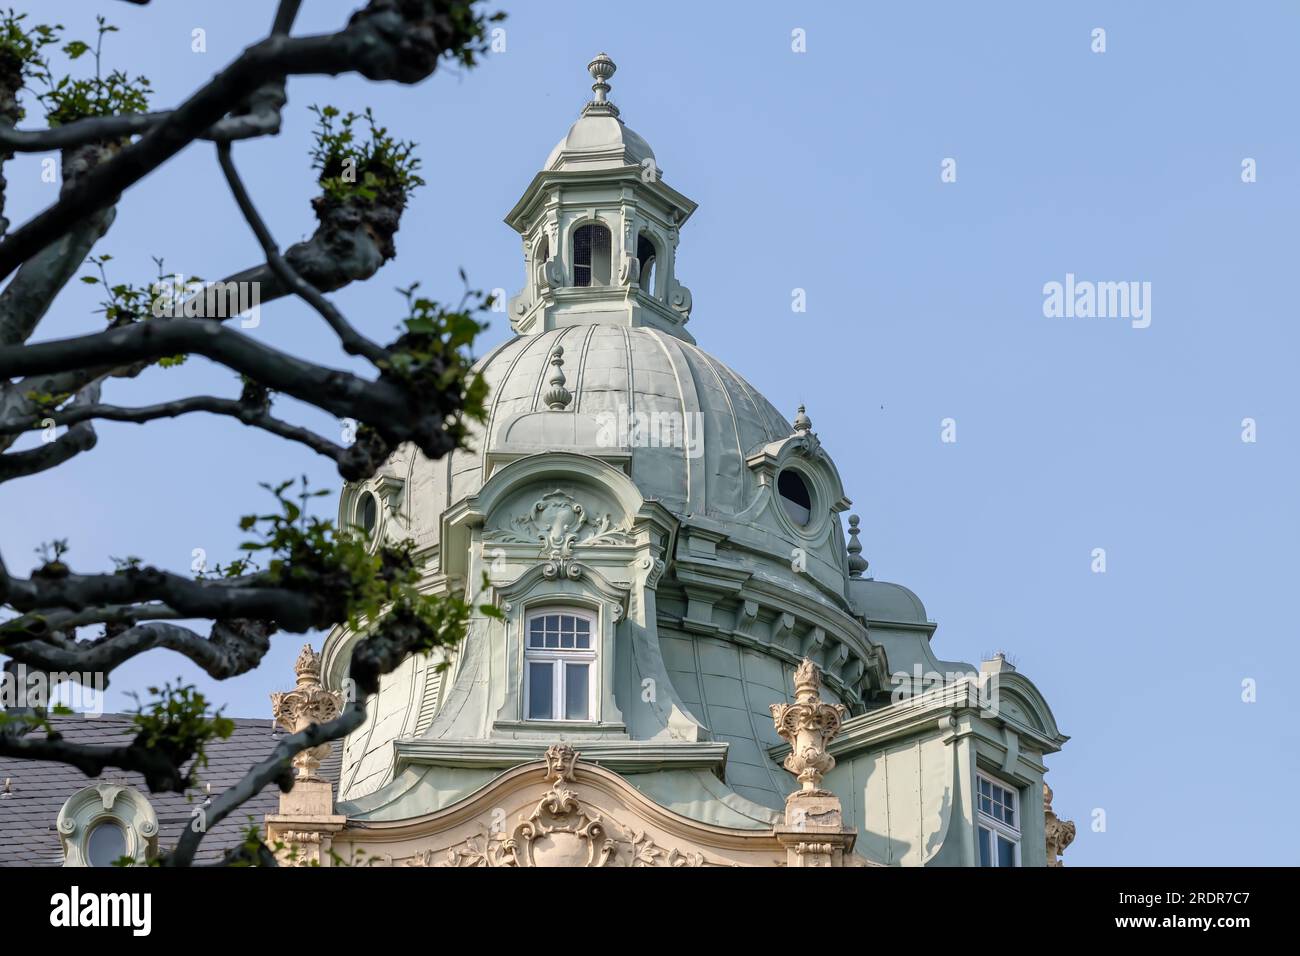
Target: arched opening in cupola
(591, 255)
(540, 256)
(645, 253)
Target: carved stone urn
(809, 724)
(308, 703)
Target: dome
(617, 376)
(599, 141)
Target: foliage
(20, 52)
(127, 304)
(67, 100)
(379, 169)
(177, 724)
(432, 354)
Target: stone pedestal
(813, 832)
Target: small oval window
(795, 497)
(368, 512)
(105, 844)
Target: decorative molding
(808, 724)
(584, 817)
(1058, 833)
(621, 756)
(113, 805)
(307, 704)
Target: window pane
(584, 633)
(1006, 852)
(986, 854)
(985, 787)
(985, 806)
(539, 691)
(535, 632)
(106, 844)
(552, 622)
(575, 691)
(552, 639)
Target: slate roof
(38, 789)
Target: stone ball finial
(557, 397)
(802, 423)
(857, 563)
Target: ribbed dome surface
(615, 371)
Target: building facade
(668, 556)
(691, 667)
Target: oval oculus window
(795, 497)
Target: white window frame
(558, 658)
(996, 827)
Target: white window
(998, 823)
(559, 657)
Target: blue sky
(821, 171)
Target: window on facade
(998, 823)
(645, 253)
(591, 256)
(105, 844)
(559, 655)
(795, 496)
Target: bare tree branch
(353, 342)
(251, 596)
(258, 416)
(232, 648)
(276, 768)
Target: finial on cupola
(857, 563)
(802, 423)
(601, 69)
(557, 397)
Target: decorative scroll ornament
(1059, 833)
(809, 724)
(559, 523)
(308, 703)
(680, 299)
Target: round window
(367, 512)
(105, 844)
(795, 497)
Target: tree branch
(383, 41)
(353, 342)
(231, 648)
(257, 416)
(276, 768)
(252, 596)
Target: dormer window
(559, 655)
(591, 255)
(645, 253)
